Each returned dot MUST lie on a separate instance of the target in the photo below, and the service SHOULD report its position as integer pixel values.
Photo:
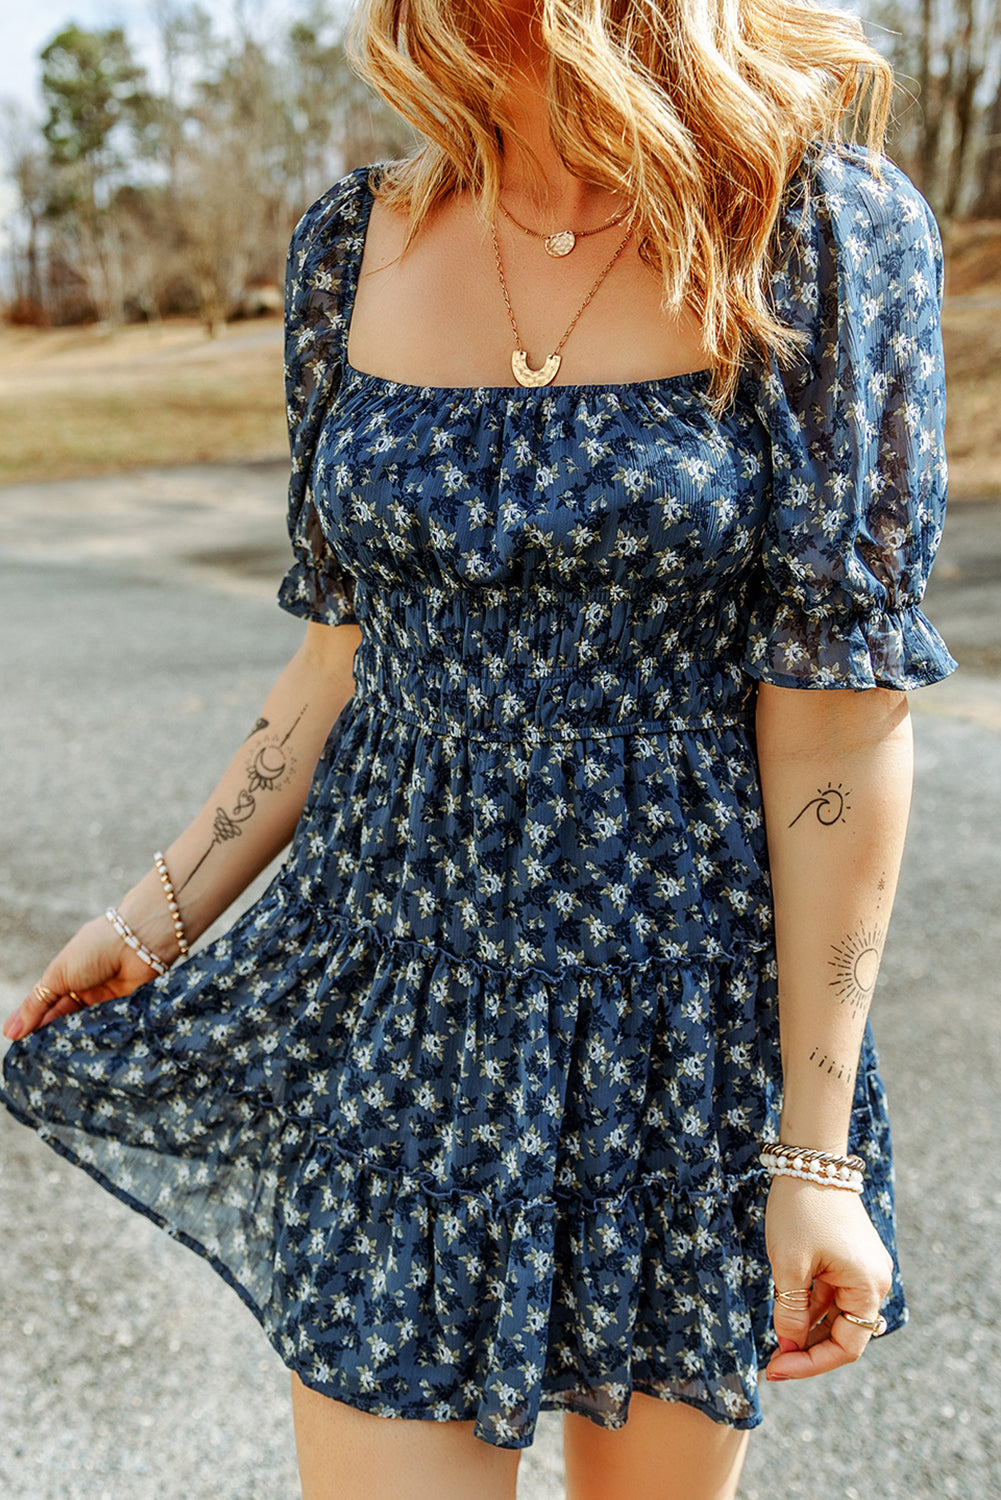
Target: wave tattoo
(831, 804)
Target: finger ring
(798, 1299)
(47, 997)
(876, 1325)
(74, 996)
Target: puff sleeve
(857, 436)
(316, 586)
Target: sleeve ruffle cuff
(891, 649)
(315, 594)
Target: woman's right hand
(822, 1238)
(95, 965)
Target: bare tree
(142, 202)
(28, 172)
(948, 69)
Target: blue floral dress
(467, 1106)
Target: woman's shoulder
(847, 219)
(851, 189)
(337, 212)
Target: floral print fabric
(467, 1106)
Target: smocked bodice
(558, 562)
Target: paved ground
(139, 639)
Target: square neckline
(681, 380)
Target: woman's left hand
(822, 1237)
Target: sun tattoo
(831, 804)
(856, 964)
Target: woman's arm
(836, 772)
(252, 813)
(247, 820)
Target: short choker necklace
(546, 373)
(562, 241)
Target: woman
(616, 421)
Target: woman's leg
(346, 1454)
(666, 1451)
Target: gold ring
(798, 1299)
(876, 1325)
(45, 995)
(74, 996)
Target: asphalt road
(139, 638)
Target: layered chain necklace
(562, 241)
(546, 373)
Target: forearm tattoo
(269, 769)
(856, 964)
(831, 804)
(842, 1071)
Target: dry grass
(78, 403)
(974, 256)
(973, 424)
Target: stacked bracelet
(125, 932)
(175, 910)
(823, 1167)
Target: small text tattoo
(831, 1066)
(268, 770)
(831, 805)
(856, 964)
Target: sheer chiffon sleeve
(316, 586)
(857, 437)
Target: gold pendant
(561, 243)
(525, 375)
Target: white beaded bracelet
(175, 910)
(128, 937)
(853, 1182)
(827, 1171)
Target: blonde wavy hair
(698, 111)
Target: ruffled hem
(230, 1102)
(546, 1318)
(894, 649)
(316, 594)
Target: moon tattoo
(267, 768)
(525, 375)
(831, 804)
(856, 964)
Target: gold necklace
(546, 373)
(562, 241)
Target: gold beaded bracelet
(175, 910)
